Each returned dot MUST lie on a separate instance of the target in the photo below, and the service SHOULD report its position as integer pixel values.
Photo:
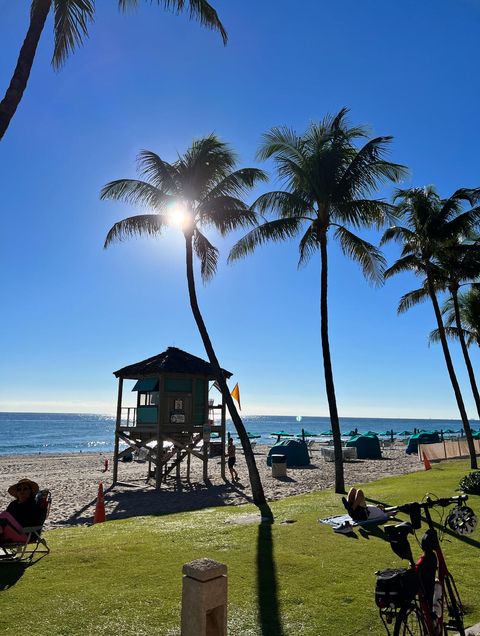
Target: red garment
(12, 531)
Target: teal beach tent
(367, 445)
(294, 450)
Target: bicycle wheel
(454, 605)
(410, 622)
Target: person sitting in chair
(356, 505)
(23, 512)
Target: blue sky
(72, 313)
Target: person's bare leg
(359, 501)
(352, 493)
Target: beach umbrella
(326, 433)
(460, 430)
(307, 434)
(371, 433)
(253, 435)
(387, 433)
(280, 434)
(406, 433)
(352, 433)
(450, 431)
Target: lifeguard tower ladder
(174, 417)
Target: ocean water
(28, 433)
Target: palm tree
(469, 309)
(457, 310)
(202, 189)
(71, 20)
(328, 184)
(432, 225)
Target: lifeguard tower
(173, 418)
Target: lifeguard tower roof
(172, 360)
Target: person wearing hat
(21, 513)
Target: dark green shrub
(471, 483)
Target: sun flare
(178, 215)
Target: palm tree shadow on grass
(10, 573)
(268, 608)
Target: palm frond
(369, 257)
(415, 297)
(408, 263)
(71, 18)
(367, 169)
(308, 245)
(397, 233)
(365, 212)
(135, 192)
(226, 214)
(285, 204)
(283, 141)
(207, 254)
(277, 230)
(452, 334)
(158, 172)
(461, 225)
(140, 225)
(207, 162)
(237, 182)
(199, 10)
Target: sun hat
(34, 487)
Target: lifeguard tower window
(148, 399)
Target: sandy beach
(73, 480)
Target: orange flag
(236, 395)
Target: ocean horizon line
(297, 417)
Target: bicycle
(415, 599)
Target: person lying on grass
(23, 512)
(356, 505)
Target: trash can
(279, 466)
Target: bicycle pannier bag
(395, 587)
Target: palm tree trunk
(451, 372)
(256, 484)
(463, 344)
(18, 83)
(327, 366)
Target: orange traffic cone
(100, 507)
(426, 463)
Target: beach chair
(35, 543)
(310, 445)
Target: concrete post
(204, 598)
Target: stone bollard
(204, 598)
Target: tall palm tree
(202, 188)
(431, 225)
(328, 184)
(71, 20)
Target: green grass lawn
(124, 577)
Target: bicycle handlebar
(428, 503)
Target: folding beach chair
(35, 544)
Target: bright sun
(178, 215)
